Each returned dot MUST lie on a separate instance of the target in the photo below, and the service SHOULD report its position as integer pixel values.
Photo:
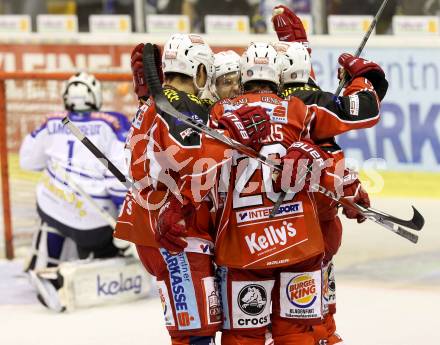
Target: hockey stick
(345, 78)
(342, 83)
(415, 223)
(97, 153)
(164, 105)
(76, 187)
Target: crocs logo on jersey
(252, 299)
(302, 290)
(271, 237)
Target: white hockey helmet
(82, 92)
(260, 62)
(295, 62)
(184, 53)
(225, 62)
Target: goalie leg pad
(87, 283)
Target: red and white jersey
(167, 155)
(246, 237)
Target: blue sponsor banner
(182, 290)
(408, 135)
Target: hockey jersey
(55, 150)
(169, 156)
(244, 227)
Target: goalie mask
(295, 62)
(260, 63)
(82, 93)
(184, 53)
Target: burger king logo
(302, 290)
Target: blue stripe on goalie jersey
(121, 130)
(182, 288)
(51, 173)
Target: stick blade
(418, 220)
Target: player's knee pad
(246, 300)
(297, 298)
(328, 289)
(188, 290)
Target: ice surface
(388, 294)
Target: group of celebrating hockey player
(199, 211)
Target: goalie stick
(164, 105)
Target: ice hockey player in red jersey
(227, 74)
(274, 261)
(357, 98)
(168, 216)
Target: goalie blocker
(86, 283)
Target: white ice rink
(388, 294)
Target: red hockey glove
(289, 27)
(300, 155)
(358, 67)
(247, 125)
(137, 68)
(353, 191)
(172, 224)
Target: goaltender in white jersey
(71, 227)
(55, 150)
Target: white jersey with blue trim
(54, 149)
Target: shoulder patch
(279, 113)
(354, 105)
(139, 117)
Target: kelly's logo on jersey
(270, 237)
(263, 212)
(302, 290)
